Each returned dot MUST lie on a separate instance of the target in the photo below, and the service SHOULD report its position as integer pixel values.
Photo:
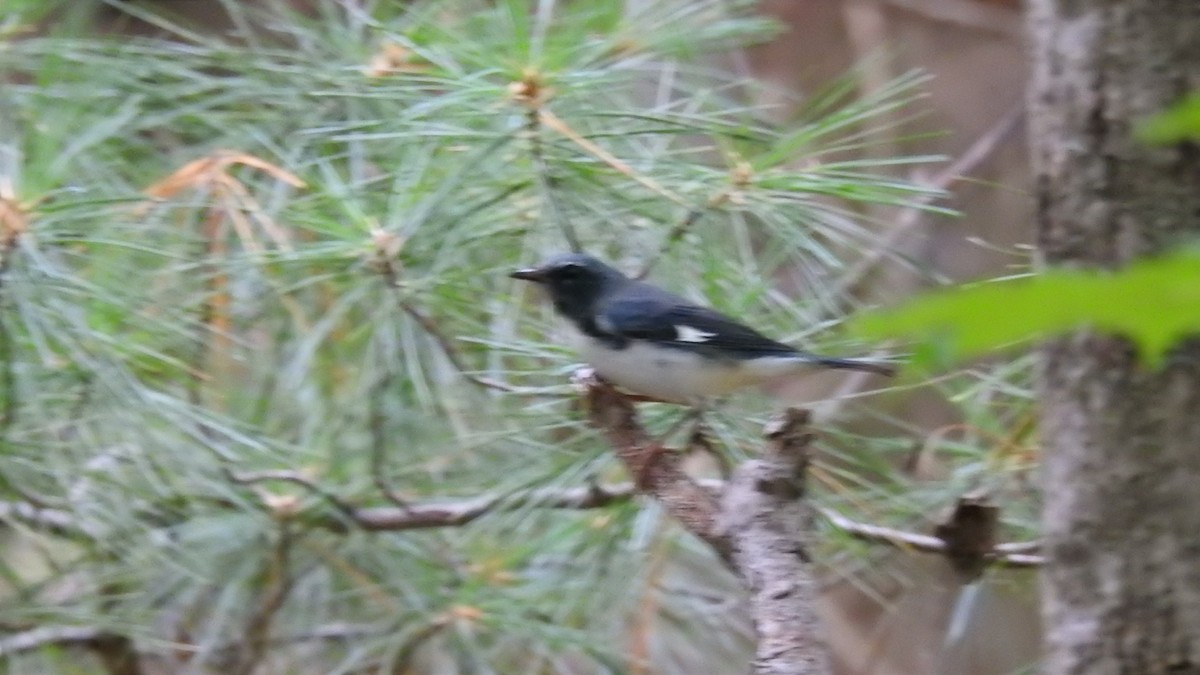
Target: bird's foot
(701, 440)
(586, 377)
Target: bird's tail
(885, 369)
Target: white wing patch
(689, 334)
(604, 324)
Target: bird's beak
(534, 274)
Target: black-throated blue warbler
(654, 343)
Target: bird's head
(575, 281)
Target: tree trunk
(1121, 589)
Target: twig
(448, 348)
(278, 582)
(414, 516)
(540, 167)
(32, 639)
(1019, 547)
(640, 626)
(286, 509)
(532, 93)
(739, 177)
(8, 416)
(431, 328)
(401, 663)
(45, 636)
(55, 521)
(550, 120)
(1016, 554)
(673, 235)
(227, 652)
(213, 319)
(117, 653)
(454, 513)
(376, 427)
(912, 216)
(14, 222)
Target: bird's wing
(676, 323)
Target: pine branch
(768, 523)
(657, 470)
(1014, 554)
(116, 652)
(279, 582)
(460, 512)
(44, 636)
(34, 638)
(739, 177)
(54, 521)
(759, 524)
(417, 516)
(422, 142)
(447, 346)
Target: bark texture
(1121, 589)
(768, 524)
(759, 523)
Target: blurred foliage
(1179, 123)
(285, 248)
(1154, 302)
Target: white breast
(674, 374)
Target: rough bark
(759, 523)
(1121, 587)
(768, 525)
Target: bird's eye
(569, 272)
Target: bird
(651, 342)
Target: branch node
(531, 90)
(970, 534)
(789, 433)
(768, 525)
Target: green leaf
(1154, 302)
(1180, 122)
